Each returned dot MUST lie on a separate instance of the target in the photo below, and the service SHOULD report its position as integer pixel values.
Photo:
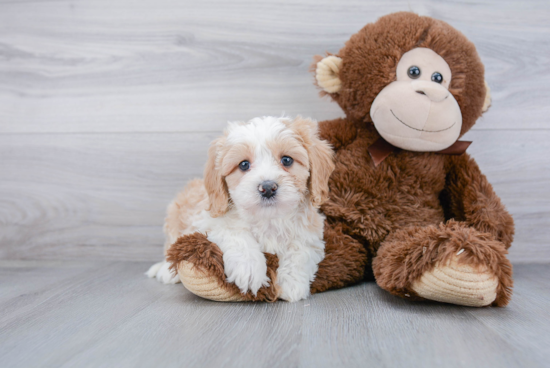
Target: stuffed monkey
(407, 204)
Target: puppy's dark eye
(287, 161)
(437, 77)
(245, 165)
(413, 72)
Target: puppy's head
(267, 166)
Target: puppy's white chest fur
(300, 230)
(281, 235)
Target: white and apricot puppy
(263, 184)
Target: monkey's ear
(327, 74)
(487, 101)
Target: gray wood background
(107, 107)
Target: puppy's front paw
(247, 270)
(292, 289)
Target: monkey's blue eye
(413, 72)
(287, 161)
(245, 165)
(437, 77)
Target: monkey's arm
(468, 196)
(338, 132)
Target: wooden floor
(60, 314)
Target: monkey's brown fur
(414, 210)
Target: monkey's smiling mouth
(421, 130)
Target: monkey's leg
(451, 263)
(200, 267)
(344, 263)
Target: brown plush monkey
(405, 200)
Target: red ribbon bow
(381, 149)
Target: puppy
(263, 184)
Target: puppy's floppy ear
(321, 163)
(215, 185)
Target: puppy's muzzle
(268, 188)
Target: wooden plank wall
(107, 107)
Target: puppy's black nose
(268, 188)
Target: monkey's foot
(450, 262)
(459, 284)
(206, 286)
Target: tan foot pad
(458, 284)
(205, 286)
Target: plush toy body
(404, 200)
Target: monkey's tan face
(417, 112)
